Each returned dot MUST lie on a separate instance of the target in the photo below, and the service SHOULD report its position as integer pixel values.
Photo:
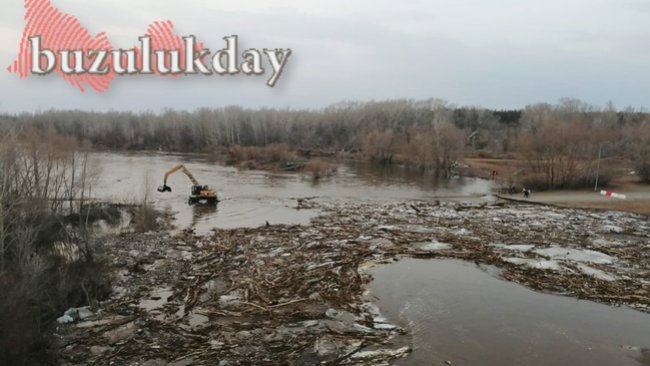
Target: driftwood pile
(283, 295)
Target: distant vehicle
(198, 193)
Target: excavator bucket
(164, 188)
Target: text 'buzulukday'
(188, 59)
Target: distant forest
(560, 142)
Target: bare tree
(639, 148)
(380, 145)
(449, 142)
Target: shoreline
(585, 201)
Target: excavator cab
(196, 190)
(198, 193)
(203, 194)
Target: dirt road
(635, 202)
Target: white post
(600, 150)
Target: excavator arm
(181, 167)
(198, 193)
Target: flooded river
(251, 198)
(453, 311)
(460, 313)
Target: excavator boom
(182, 168)
(198, 192)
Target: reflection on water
(202, 212)
(251, 198)
(457, 312)
(378, 175)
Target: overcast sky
(497, 54)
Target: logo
(56, 42)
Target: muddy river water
(458, 312)
(251, 198)
(453, 311)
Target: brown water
(457, 312)
(251, 198)
(453, 310)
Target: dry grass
(145, 217)
(319, 168)
(273, 153)
(629, 183)
(518, 172)
(499, 165)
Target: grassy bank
(620, 181)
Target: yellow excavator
(198, 193)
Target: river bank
(297, 294)
(321, 168)
(624, 182)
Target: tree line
(559, 143)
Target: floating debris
(290, 294)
